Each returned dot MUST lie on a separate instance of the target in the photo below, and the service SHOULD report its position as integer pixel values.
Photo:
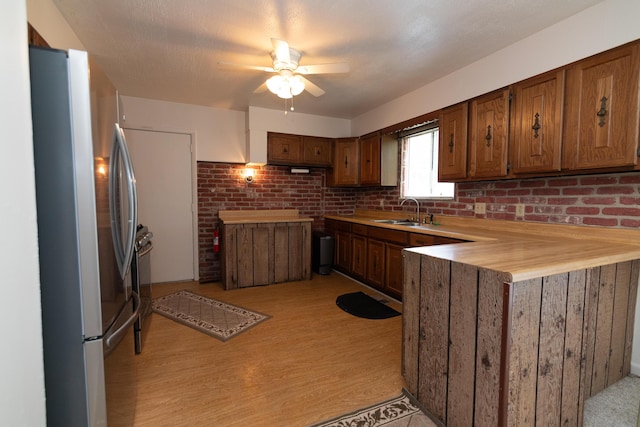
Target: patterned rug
(402, 411)
(215, 318)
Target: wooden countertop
(262, 216)
(523, 250)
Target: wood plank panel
(525, 304)
(306, 251)
(572, 395)
(261, 256)
(229, 257)
(619, 327)
(296, 251)
(589, 330)
(411, 320)
(244, 235)
(462, 346)
(551, 348)
(434, 334)
(281, 253)
(604, 322)
(631, 314)
(489, 343)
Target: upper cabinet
(582, 117)
(488, 134)
(536, 124)
(452, 163)
(345, 171)
(284, 149)
(601, 110)
(298, 150)
(370, 159)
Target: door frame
(194, 187)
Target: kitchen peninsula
(262, 247)
(520, 324)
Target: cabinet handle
(318, 152)
(285, 150)
(536, 125)
(488, 137)
(346, 162)
(451, 144)
(603, 111)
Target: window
(420, 167)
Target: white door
(163, 169)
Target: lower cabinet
(374, 254)
(265, 253)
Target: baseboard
(635, 369)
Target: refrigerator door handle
(112, 340)
(123, 249)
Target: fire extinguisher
(216, 241)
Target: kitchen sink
(397, 222)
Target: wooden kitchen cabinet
(316, 151)
(393, 270)
(284, 149)
(256, 254)
(488, 135)
(359, 256)
(345, 171)
(376, 263)
(536, 124)
(453, 126)
(370, 159)
(601, 110)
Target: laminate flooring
(309, 362)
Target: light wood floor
(311, 361)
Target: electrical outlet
(519, 210)
(481, 208)
(381, 202)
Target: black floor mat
(362, 305)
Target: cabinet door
(601, 110)
(393, 279)
(316, 151)
(452, 162)
(359, 255)
(370, 160)
(345, 169)
(375, 263)
(342, 256)
(537, 123)
(489, 128)
(284, 149)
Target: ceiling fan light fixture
(285, 85)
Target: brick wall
(611, 200)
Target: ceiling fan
(289, 82)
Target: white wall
(601, 27)
(22, 398)
(219, 134)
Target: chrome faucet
(417, 207)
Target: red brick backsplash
(611, 200)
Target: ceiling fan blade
(231, 65)
(281, 50)
(311, 87)
(261, 88)
(341, 67)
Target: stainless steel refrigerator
(87, 216)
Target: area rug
(402, 411)
(362, 305)
(215, 318)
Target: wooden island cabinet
(264, 247)
(521, 329)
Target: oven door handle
(145, 250)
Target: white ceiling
(170, 49)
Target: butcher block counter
(263, 247)
(518, 325)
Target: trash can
(322, 252)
